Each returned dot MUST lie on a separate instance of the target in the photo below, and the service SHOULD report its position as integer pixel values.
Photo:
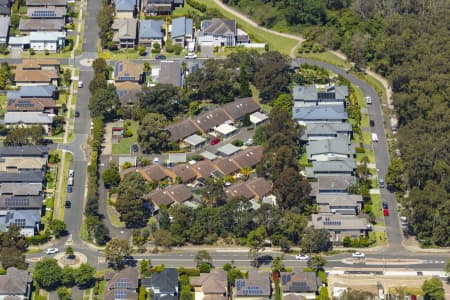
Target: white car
(369, 100)
(190, 56)
(358, 254)
(80, 84)
(302, 257)
(156, 161)
(71, 173)
(249, 142)
(52, 250)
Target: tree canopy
(151, 134)
(129, 200)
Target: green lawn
(369, 153)
(113, 216)
(124, 147)
(84, 235)
(367, 138)
(101, 289)
(68, 157)
(376, 205)
(326, 57)
(184, 11)
(2, 104)
(282, 44)
(119, 54)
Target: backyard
(124, 146)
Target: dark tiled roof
(153, 172)
(250, 157)
(18, 151)
(165, 282)
(226, 166)
(210, 119)
(185, 172)
(240, 107)
(15, 282)
(299, 282)
(182, 129)
(23, 176)
(20, 202)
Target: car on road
(358, 254)
(69, 189)
(135, 148)
(302, 257)
(47, 142)
(68, 204)
(70, 181)
(385, 205)
(369, 100)
(374, 137)
(372, 123)
(160, 56)
(386, 212)
(71, 173)
(215, 141)
(80, 84)
(52, 250)
(191, 56)
(77, 114)
(156, 161)
(381, 182)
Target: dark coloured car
(69, 189)
(385, 205)
(160, 56)
(47, 142)
(215, 141)
(68, 204)
(77, 114)
(135, 148)
(372, 123)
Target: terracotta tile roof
(127, 71)
(154, 173)
(259, 186)
(30, 104)
(37, 63)
(239, 190)
(203, 168)
(249, 157)
(35, 75)
(215, 282)
(185, 172)
(226, 166)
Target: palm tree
(317, 263)
(246, 172)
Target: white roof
(194, 140)
(27, 118)
(46, 35)
(258, 117)
(4, 26)
(228, 149)
(19, 40)
(177, 158)
(208, 155)
(225, 129)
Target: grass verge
(326, 57)
(84, 235)
(376, 205)
(113, 216)
(63, 193)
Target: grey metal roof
(228, 149)
(335, 183)
(149, 29)
(15, 283)
(19, 189)
(208, 155)
(36, 91)
(125, 5)
(328, 128)
(318, 113)
(181, 27)
(329, 146)
(53, 36)
(311, 93)
(194, 140)
(4, 26)
(219, 27)
(23, 176)
(334, 166)
(339, 222)
(304, 92)
(28, 150)
(20, 202)
(339, 200)
(23, 218)
(170, 72)
(27, 118)
(46, 2)
(45, 25)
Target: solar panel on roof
(21, 202)
(43, 13)
(122, 284)
(20, 222)
(120, 294)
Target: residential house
(160, 7)
(154, 173)
(213, 285)
(182, 31)
(41, 25)
(322, 131)
(122, 285)
(225, 130)
(50, 40)
(19, 42)
(249, 157)
(311, 96)
(255, 188)
(345, 167)
(256, 286)
(18, 164)
(341, 226)
(23, 177)
(46, 105)
(13, 189)
(218, 32)
(204, 168)
(183, 172)
(128, 92)
(171, 72)
(4, 29)
(15, 284)
(44, 3)
(124, 33)
(35, 77)
(128, 71)
(194, 141)
(181, 129)
(227, 150)
(27, 119)
(27, 220)
(211, 119)
(125, 8)
(150, 31)
(330, 149)
(24, 151)
(38, 91)
(258, 118)
(47, 12)
(299, 283)
(241, 107)
(339, 204)
(173, 194)
(319, 114)
(10, 203)
(225, 166)
(5, 7)
(334, 184)
(164, 285)
(242, 37)
(40, 64)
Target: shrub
(237, 143)
(197, 5)
(188, 272)
(360, 150)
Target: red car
(386, 212)
(214, 141)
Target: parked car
(77, 114)
(249, 142)
(358, 254)
(135, 148)
(381, 182)
(52, 250)
(215, 141)
(70, 181)
(80, 84)
(191, 55)
(386, 212)
(71, 173)
(47, 142)
(302, 257)
(385, 205)
(372, 123)
(160, 56)
(68, 204)
(374, 137)
(156, 161)
(69, 189)
(369, 100)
